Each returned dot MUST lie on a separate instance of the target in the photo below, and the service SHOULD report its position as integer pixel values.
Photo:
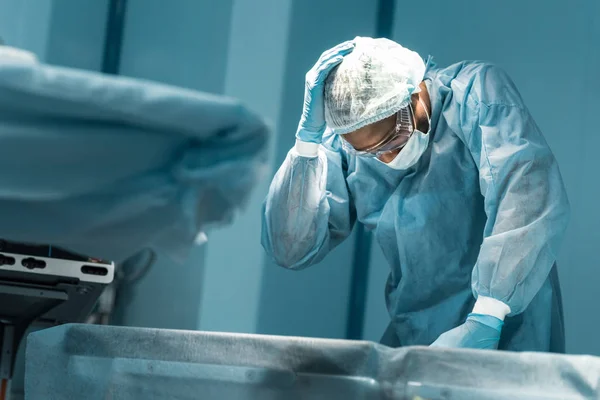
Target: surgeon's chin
(388, 157)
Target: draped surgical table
(103, 362)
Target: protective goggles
(396, 139)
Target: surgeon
(450, 171)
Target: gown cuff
(489, 306)
(306, 149)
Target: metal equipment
(42, 286)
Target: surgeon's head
(374, 89)
(384, 139)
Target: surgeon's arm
(525, 199)
(525, 202)
(308, 210)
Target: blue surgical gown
(482, 213)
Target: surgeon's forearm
(295, 217)
(529, 219)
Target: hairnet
(372, 83)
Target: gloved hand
(312, 122)
(478, 332)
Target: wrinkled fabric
(95, 362)
(371, 83)
(107, 166)
(482, 212)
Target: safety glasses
(396, 139)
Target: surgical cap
(372, 83)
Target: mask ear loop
(429, 63)
(425, 108)
(428, 117)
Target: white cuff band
(490, 306)
(307, 149)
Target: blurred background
(259, 51)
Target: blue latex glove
(312, 122)
(478, 332)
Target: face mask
(414, 149)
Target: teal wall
(26, 24)
(182, 43)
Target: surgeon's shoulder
(488, 84)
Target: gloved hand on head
(374, 79)
(312, 123)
